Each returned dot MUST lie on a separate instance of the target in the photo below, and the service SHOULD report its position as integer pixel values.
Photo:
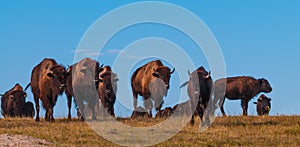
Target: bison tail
(184, 84)
(27, 87)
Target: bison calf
(168, 111)
(28, 110)
(263, 105)
(139, 112)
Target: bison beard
(244, 88)
(141, 82)
(47, 83)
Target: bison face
(265, 85)
(200, 82)
(263, 105)
(109, 80)
(16, 102)
(163, 73)
(58, 73)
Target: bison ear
(50, 74)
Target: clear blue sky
(257, 38)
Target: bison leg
(192, 121)
(92, 107)
(69, 97)
(135, 95)
(244, 104)
(148, 107)
(80, 109)
(37, 107)
(221, 105)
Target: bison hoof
(37, 119)
(192, 122)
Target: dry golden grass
(225, 131)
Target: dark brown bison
(140, 112)
(15, 102)
(108, 89)
(47, 83)
(263, 105)
(69, 88)
(28, 110)
(151, 81)
(85, 81)
(5, 98)
(200, 91)
(243, 87)
(168, 111)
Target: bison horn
(172, 71)
(208, 75)
(189, 72)
(101, 65)
(69, 69)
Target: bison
(183, 108)
(108, 89)
(151, 81)
(168, 111)
(85, 81)
(242, 87)
(139, 112)
(47, 83)
(199, 90)
(263, 105)
(28, 110)
(5, 98)
(13, 103)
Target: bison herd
(95, 85)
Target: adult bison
(47, 83)
(263, 105)
(200, 91)
(13, 103)
(5, 98)
(85, 81)
(242, 87)
(152, 82)
(108, 89)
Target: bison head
(58, 73)
(109, 80)
(200, 79)
(265, 85)
(164, 73)
(15, 103)
(263, 105)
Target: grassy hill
(225, 131)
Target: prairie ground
(225, 131)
